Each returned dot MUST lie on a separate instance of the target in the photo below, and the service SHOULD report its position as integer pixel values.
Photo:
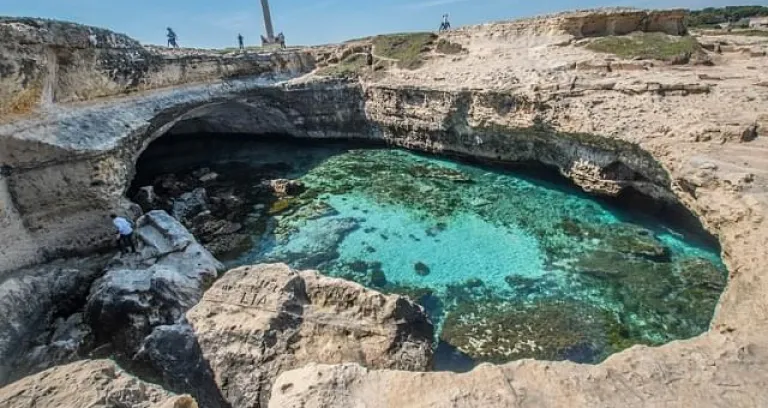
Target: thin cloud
(432, 3)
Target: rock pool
(507, 266)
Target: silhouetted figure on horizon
(240, 41)
(172, 39)
(445, 25)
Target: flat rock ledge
(92, 384)
(258, 321)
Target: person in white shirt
(124, 233)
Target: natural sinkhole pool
(507, 265)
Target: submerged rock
(637, 241)
(309, 247)
(281, 206)
(549, 330)
(421, 269)
(152, 288)
(259, 321)
(96, 383)
(701, 273)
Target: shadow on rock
(174, 354)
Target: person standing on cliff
(445, 25)
(172, 39)
(240, 41)
(124, 233)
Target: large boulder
(94, 384)
(31, 298)
(152, 288)
(258, 321)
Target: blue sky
(215, 23)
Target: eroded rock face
(258, 321)
(96, 383)
(152, 288)
(46, 61)
(30, 301)
(70, 340)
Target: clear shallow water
(507, 267)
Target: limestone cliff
(44, 62)
(519, 91)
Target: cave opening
(510, 260)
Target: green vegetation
(712, 16)
(351, 66)
(407, 49)
(657, 46)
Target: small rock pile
(217, 208)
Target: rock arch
(66, 174)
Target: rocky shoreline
(269, 335)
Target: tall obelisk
(268, 22)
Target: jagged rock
(72, 338)
(152, 288)
(208, 177)
(95, 384)
(258, 321)
(30, 299)
(146, 198)
(219, 236)
(190, 204)
(283, 187)
(169, 184)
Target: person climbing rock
(240, 41)
(124, 233)
(172, 39)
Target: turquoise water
(508, 267)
